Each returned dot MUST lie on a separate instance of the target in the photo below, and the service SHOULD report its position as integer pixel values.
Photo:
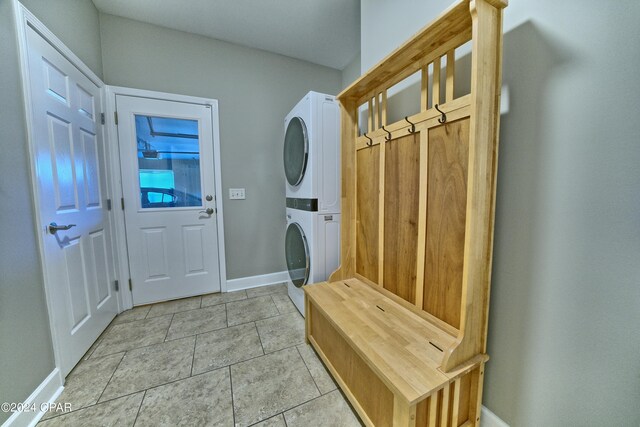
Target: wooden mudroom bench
(402, 324)
(385, 357)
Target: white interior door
(68, 144)
(166, 154)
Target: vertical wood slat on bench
(444, 406)
(456, 403)
(435, 87)
(445, 231)
(402, 173)
(451, 75)
(367, 233)
(424, 89)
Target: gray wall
(351, 72)
(255, 90)
(26, 355)
(565, 301)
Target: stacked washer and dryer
(312, 170)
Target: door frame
(117, 193)
(23, 19)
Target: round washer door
(297, 255)
(296, 151)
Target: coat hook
(413, 126)
(387, 138)
(370, 143)
(444, 116)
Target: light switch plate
(236, 194)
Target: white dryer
(312, 250)
(312, 152)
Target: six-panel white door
(68, 145)
(166, 154)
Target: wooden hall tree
(402, 324)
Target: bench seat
(385, 357)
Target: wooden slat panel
(424, 89)
(451, 75)
(435, 91)
(433, 409)
(455, 410)
(465, 398)
(370, 115)
(446, 201)
(365, 386)
(444, 407)
(422, 412)
(368, 178)
(402, 174)
(383, 114)
(376, 112)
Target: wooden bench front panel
(373, 396)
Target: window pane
(168, 162)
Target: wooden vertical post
(348, 134)
(423, 140)
(481, 182)
(403, 413)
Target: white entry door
(68, 144)
(166, 154)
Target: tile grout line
(308, 370)
(233, 404)
(259, 339)
(193, 356)
(111, 377)
(140, 407)
(169, 328)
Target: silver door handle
(208, 211)
(53, 227)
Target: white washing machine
(312, 152)
(312, 250)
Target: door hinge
(117, 285)
(115, 117)
(130, 285)
(122, 203)
(108, 204)
(102, 118)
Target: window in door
(168, 152)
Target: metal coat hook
(444, 116)
(413, 126)
(370, 143)
(387, 138)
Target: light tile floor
(218, 360)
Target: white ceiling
(325, 32)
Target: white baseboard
(489, 419)
(47, 392)
(255, 281)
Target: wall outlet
(236, 194)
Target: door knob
(53, 227)
(208, 211)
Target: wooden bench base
(382, 357)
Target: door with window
(166, 154)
